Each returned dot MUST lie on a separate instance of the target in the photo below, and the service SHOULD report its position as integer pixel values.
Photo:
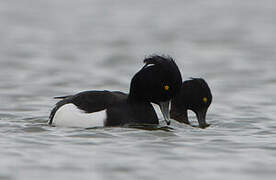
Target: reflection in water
(150, 127)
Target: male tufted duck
(157, 82)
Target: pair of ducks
(159, 81)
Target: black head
(195, 95)
(158, 81)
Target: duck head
(158, 82)
(194, 95)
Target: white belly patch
(69, 115)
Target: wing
(90, 101)
(62, 97)
(93, 101)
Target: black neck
(180, 115)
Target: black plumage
(157, 82)
(194, 95)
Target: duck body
(126, 112)
(157, 82)
(113, 108)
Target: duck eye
(205, 99)
(167, 88)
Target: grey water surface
(60, 47)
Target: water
(60, 47)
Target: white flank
(69, 115)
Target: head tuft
(157, 59)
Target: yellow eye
(205, 99)
(167, 88)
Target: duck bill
(201, 118)
(164, 107)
